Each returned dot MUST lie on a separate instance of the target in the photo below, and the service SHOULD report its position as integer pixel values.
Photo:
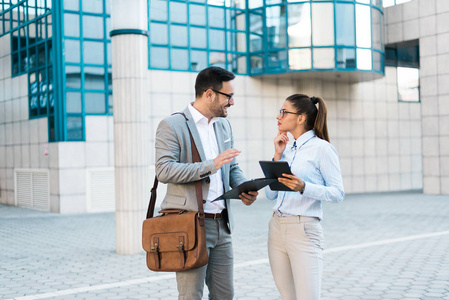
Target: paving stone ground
(378, 246)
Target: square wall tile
(162, 104)
(429, 106)
(2, 87)
(427, 7)
(444, 145)
(17, 136)
(442, 43)
(443, 22)
(34, 131)
(182, 83)
(429, 86)
(443, 63)
(394, 33)
(8, 111)
(443, 86)
(97, 154)
(428, 66)
(430, 146)
(8, 86)
(25, 150)
(43, 130)
(180, 102)
(72, 181)
(15, 91)
(445, 185)
(96, 128)
(411, 29)
(430, 126)
(34, 156)
(160, 81)
(427, 26)
(72, 204)
(24, 108)
(444, 125)
(9, 134)
(431, 185)
(410, 10)
(25, 132)
(427, 46)
(442, 6)
(17, 156)
(269, 87)
(2, 134)
(72, 155)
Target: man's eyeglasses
(230, 96)
(282, 112)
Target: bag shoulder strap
(199, 193)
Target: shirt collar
(304, 138)
(199, 117)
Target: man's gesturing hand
(225, 157)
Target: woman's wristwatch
(303, 188)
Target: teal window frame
(26, 58)
(83, 90)
(404, 55)
(226, 56)
(260, 57)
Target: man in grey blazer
(218, 172)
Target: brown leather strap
(199, 193)
(150, 210)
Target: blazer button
(207, 180)
(204, 201)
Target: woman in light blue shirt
(295, 241)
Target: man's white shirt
(210, 146)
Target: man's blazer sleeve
(171, 149)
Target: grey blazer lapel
(196, 136)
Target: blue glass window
(93, 27)
(178, 12)
(216, 17)
(159, 58)
(94, 103)
(216, 39)
(74, 128)
(93, 52)
(159, 33)
(158, 10)
(197, 14)
(178, 35)
(179, 59)
(345, 30)
(198, 38)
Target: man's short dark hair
(211, 78)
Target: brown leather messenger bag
(175, 240)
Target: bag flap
(169, 232)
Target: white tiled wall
(433, 35)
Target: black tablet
(247, 186)
(275, 169)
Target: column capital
(128, 31)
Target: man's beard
(219, 110)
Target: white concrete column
(131, 127)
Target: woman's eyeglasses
(282, 112)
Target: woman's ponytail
(320, 126)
